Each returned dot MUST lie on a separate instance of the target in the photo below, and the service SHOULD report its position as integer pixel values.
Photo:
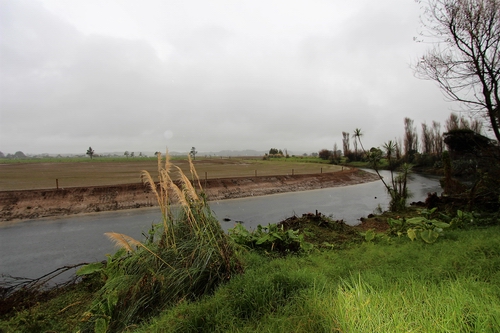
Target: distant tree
(355, 144)
(357, 135)
(132, 154)
(465, 60)
(2, 155)
(140, 154)
(410, 139)
(398, 148)
(427, 139)
(454, 122)
(438, 138)
(325, 154)
(193, 153)
(90, 152)
(345, 143)
(19, 154)
(157, 153)
(273, 151)
(336, 154)
(126, 153)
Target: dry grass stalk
(193, 172)
(122, 240)
(127, 242)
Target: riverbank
(32, 204)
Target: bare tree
(427, 139)
(455, 122)
(399, 148)
(465, 61)
(411, 137)
(345, 143)
(438, 138)
(335, 152)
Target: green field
(41, 174)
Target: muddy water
(33, 248)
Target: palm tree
(357, 134)
(390, 148)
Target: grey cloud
(218, 88)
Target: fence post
(57, 183)
(321, 170)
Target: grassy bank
(392, 285)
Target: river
(36, 247)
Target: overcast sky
(150, 74)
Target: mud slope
(31, 204)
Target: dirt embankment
(31, 204)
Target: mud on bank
(31, 204)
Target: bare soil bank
(31, 204)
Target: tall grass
(186, 256)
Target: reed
(186, 256)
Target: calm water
(34, 248)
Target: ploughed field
(29, 190)
(101, 171)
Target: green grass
(392, 285)
(397, 286)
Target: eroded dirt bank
(31, 204)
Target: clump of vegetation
(424, 227)
(271, 238)
(186, 256)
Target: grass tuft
(188, 256)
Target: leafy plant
(424, 227)
(369, 235)
(462, 219)
(270, 238)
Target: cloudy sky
(145, 75)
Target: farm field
(99, 172)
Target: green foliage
(373, 287)
(370, 235)
(423, 227)
(270, 238)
